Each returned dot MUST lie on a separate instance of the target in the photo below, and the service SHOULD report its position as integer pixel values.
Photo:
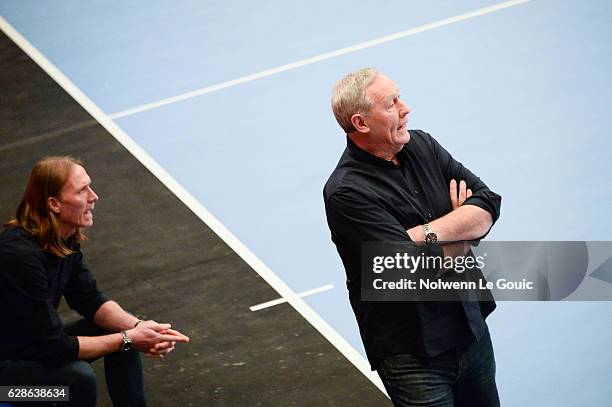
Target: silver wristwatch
(430, 235)
(127, 342)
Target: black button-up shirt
(368, 198)
(32, 283)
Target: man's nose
(404, 109)
(93, 197)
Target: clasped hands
(155, 340)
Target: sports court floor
(223, 108)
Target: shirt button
(416, 191)
(430, 215)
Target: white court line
(278, 301)
(198, 209)
(182, 194)
(318, 58)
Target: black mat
(157, 259)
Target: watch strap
(127, 342)
(430, 236)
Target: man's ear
(358, 122)
(53, 204)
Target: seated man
(40, 260)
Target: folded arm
(475, 208)
(467, 222)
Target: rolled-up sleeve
(482, 196)
(82, 293)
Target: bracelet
(137, 322)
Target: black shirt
(32, 282)
(368, 198)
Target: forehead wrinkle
(387, 91)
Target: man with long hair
(41, 261)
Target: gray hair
(349, 96)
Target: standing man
(396, 185)
(41, 261)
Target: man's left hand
(457, 199)
(161, 349)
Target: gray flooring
(157, 259)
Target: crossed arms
(366, 208)
(463, 223)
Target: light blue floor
(520, 96)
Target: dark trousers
(123, 371)
(456, 378)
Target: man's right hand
(150, 335)
(457, 249)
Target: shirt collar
(362, 155)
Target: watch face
(431, 238)
(127, 342)
(126, 346)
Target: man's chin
(404, 138)
(407, 137)
(86, 225)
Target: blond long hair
(33, 214)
